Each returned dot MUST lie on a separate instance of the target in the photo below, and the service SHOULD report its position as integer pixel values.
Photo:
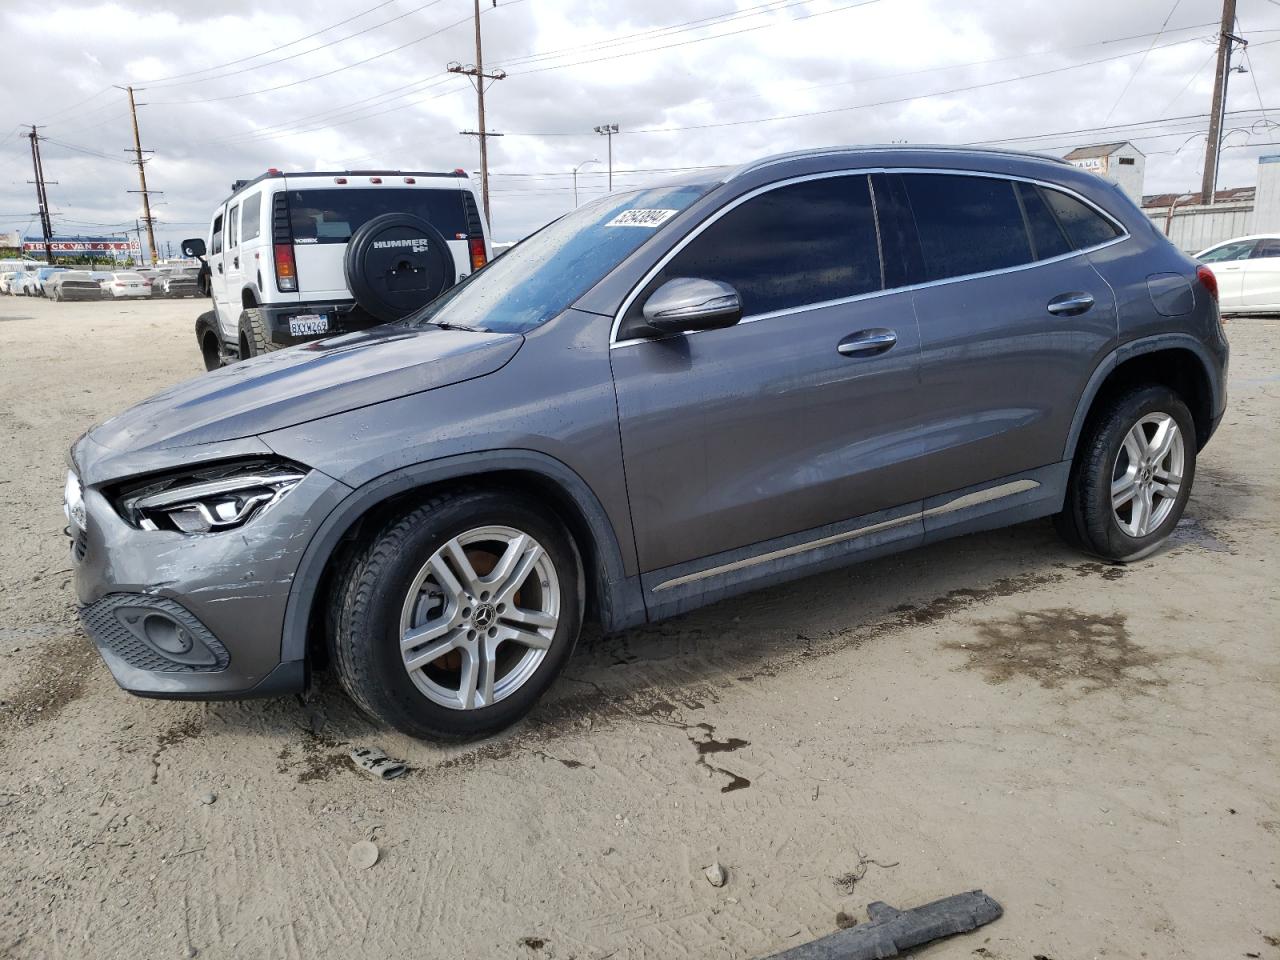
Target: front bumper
(344, 317)
(196, 616)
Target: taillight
(286, 269)
(117, 284)
(478, 257)
(1208, 281)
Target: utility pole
(142, 177)
(575, 179)
(1213, 148)
(42, 198)
(475, 72)
(608, 130)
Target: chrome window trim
(631, 296)
(962, 502)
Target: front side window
(967, 224)
(251, 217)
(793, 246)
(215, 241)
(1237, 250)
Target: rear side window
(801, 244)
(251, 217)
(233, 237)
(967, 224)
(331, 216)
(1084, 226)
(1266, 248)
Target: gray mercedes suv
(664, 398)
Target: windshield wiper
(454, 326)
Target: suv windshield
(543, 274)
(331, 216)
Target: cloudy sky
(235, 87)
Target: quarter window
(967, 224)
(251, 217)
(1047, 238)
(1084, 226)
(796, 245)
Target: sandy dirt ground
(1094, 746)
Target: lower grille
(153, 634)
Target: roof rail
(887, 148)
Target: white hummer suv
(292, 257)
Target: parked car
(74, 285)
(127, 285)
(665, 398)
(9, 280)
(1248, 272)
(42, 278)
(175, 282)
(298, 256)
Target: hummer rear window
(331, 216)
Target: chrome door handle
(1070, 304)
(867, 343)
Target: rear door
(324, 213)
(1227, 261)
(1013, 321)
(1261, 286)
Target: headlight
(210, 500)
(73, 502)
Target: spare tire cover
(397, 263)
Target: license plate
(308, 325)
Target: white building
(1122, 163)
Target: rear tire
(1132, 476)
(494, 633)
(255, 339)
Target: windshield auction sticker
(641, 218)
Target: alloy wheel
(1147, 475)
(479, 617)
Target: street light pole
(575, 178)
(608, 130)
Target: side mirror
(193, 248)
(688, 303)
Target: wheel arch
(249, 296)
(615, 599)
(1178, 361)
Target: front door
(1012, 321)
(792, 419)
(227, 321)
(1228, 263)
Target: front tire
(458, 615)
(1132, 476)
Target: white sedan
(127, 285)
(1248, 272)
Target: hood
(305, 383)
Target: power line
(254, 56)
(877, 103)
(292, 56)
(84, 150)
(1134, 72)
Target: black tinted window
(331, 216)
(251, 217)
(1085, 227)
(805, 243)
(967, 224)
(1047, 238)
